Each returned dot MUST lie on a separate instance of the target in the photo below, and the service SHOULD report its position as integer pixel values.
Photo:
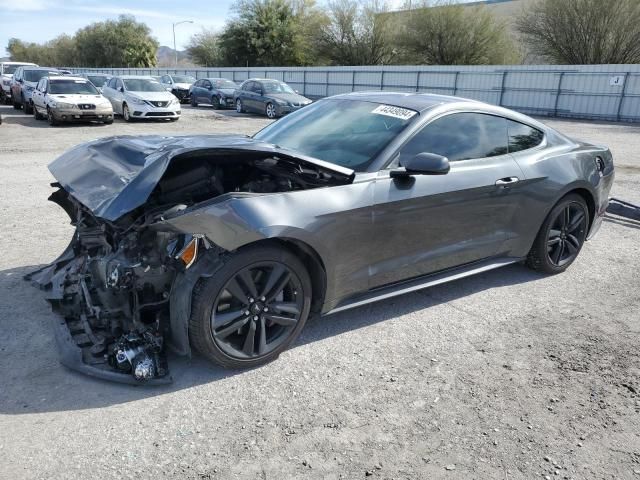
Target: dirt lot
(506, 375)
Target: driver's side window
(460, 136)
(119, 84)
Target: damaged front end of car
(123, 286)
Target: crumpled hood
(289, 97)
(182, 86)
(113, 176)
(227, 91)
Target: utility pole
(175, 50)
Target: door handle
(505, 182)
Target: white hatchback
(136, 97)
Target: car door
(16, 84)
(109, 92)
(38, 95)
(206, 89)
(249, 96)
(429, 223)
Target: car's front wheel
(239, 106)
(51, 118)
(192, 101)
(36, 114)
(251, 310)
(126, 114)
(270, 110)
(215, 102)
(27, 107)
(561, 236)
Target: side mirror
(210, 87)
(121, 89)
(260, 92)
(297, 92)
(423, 164)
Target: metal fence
(600, 92)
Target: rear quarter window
(523, 137)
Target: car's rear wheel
(561, 236)
(251, 310)
(27, 107)
(270, 110)
(239, 106)
(215, 102)
(125, 113)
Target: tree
(121, 43)
(271, 32)
(204, 48)
(453, 34)
(583, 31)
(358, 33)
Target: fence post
(622, 94)
(326, 84)
(555, 108)
(353, 80)
(455, 84)
(504, 77)
(304, 82)
(382, 80)
(418, 81)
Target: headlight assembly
(137, 101)
(62, 105)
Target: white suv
(136, 97)
(6, 74)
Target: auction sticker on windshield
(396, 112)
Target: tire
(125, 113)
(37, 114)
(174, 119)
(270, 110)
(215, 102)
(239, 107)
(561, 236)
(280, 311)
(51, 119)
(193, 102)
(108, 122)
(27, 107)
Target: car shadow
(34, 381)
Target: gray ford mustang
(227, 244)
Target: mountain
(166, 57)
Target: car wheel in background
(561, 236)
(27, 107)
(215, 101)
(252, 308)
(125, 113)
(239, 107)
(270, 110)
(16, 105)
(193, 101)
(50, 118)
(108, 122)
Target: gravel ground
(506, 375)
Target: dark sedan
(217, 92)
(272, 98)
(227, 244)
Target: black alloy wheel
(561, 237)
(252, 308)
(215, 102)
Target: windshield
(225, 84)
(36, 75)
(183, 79)
(72, 87)
(97, 80)
(142, 85)
(349, 133)
(276, 87)
(10, 69)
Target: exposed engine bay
(113, 285)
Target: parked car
(217, 92)
(23, 83)
(6, 74)
(65, 72)
(272, 98)
(98, 79)
(70, 99)
(227, 244)
(178, 85)
(136, 97)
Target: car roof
(217, 78)
(264, 80)
(413, 101)
(127, 77)
(51, 69)
(26, 64)
(67, 77)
